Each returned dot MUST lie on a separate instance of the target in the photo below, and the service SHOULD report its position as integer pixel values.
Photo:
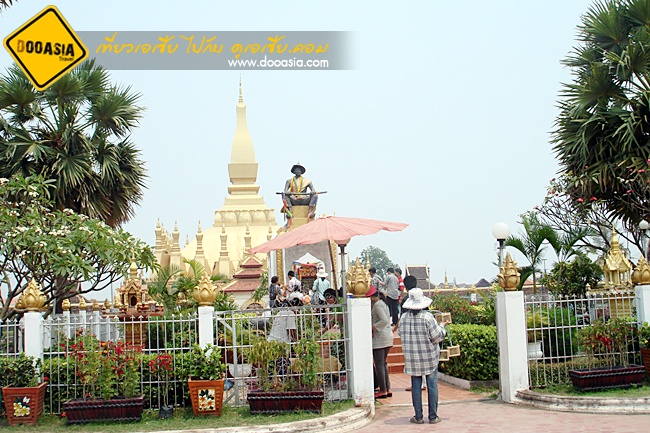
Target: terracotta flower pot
(24, 405)
(206, 396)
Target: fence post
(642, 294)
(206, 328)
(33, 321)
(360, 347)
(511, 334)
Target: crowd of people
(396, 305)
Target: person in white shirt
(294, 283)
(320, 285)
(284, 324)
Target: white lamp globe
(501, 231)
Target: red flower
(580, 200)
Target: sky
(444, 124)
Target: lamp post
(501, 231)
(644, 226)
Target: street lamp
(501, 231)
(645, 225)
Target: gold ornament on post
(65, 304)
(33, 299)
(509, 277)
(641, 274)
(358, 280)
(205, 293)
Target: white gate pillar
(33, 321)
(206, 328)
(360, 333)
(511, 334)
(642, 295)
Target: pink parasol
(328, 228)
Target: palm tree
(531, 244)
(76, 133)
(4, 4)
(602, 131)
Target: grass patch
(568, 390)
(182, 420)
(486, 391)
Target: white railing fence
(232, 332)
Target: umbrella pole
(343, 274)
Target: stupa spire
(243, 191)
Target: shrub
(478, 358)
(463, 311)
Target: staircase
(395, 358)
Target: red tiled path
(446, 392)
(495, 417)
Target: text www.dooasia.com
(293, 63)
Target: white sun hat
(416, 300)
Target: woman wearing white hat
(420, 335)
(320, 285)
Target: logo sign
(45, 47)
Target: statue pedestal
(300, 214)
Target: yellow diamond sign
(46, 47)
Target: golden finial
(82, 303)
(33, 299)
(96, 305)
(641, 274)
(509, 277)
(65, 304)
(358, 279)
(107, 304)
(133, 269)
(205, 293)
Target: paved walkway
(466, 412)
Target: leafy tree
(75, 133)
(530, 243)
(60, 249)
(569, 279)
(378, 258)
(601, 134)
(569, 217)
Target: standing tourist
(398, 274)
(420, 335)
(375, 280)
(320, 285)
(294, 283)
(284, 323)
(382, 341)
(274, 291)
(392, 294)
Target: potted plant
(161, 366)
(606, 345)
(110, 375)
(24, 395)
(205, 382)
(287, 377)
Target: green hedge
(478, 358)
